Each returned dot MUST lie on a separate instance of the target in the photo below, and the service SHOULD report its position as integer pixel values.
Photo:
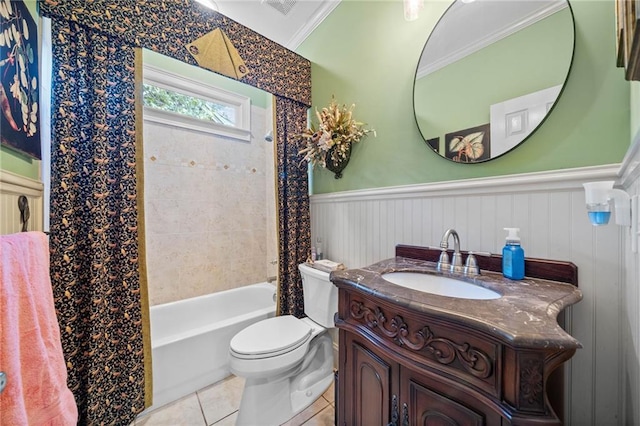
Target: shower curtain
(294, 223)
(98, 267)
(95, 255)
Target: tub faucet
(456, 262)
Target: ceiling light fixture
(412, 9)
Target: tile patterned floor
(218, 405)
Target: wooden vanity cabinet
(403, 367)
(380, 391)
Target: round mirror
(490, 73)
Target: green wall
(366, 53)
(14, 161)
(19, 163)
(635, 108)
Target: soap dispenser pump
(513, 256)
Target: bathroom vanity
(410, 357)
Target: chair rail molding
(12, 186)
(555, 180)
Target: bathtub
(190, 338)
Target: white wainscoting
(13, 186)
(362, 227)
(630, 306)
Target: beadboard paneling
(630, 306)
(362, 227)
(13, 186)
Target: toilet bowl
(287, 363)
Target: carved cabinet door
(428, 403)
(368, 380)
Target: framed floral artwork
(628, 37)
(19, 80)
(471, 145)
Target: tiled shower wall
(209, 210)
(362, 227)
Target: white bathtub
(190, 338)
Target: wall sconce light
(599, 196)
(412, 9)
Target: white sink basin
(442, 286)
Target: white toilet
(287, 362)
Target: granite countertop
(525, 315)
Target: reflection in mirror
(490, 73)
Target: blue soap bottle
(513, 256)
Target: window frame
(177, 83)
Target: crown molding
(494, 37)
(323, 11)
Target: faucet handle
(443, 262)
(456, 262)
(471, 265)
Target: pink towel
(30, 348)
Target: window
(179, 101)
(167, 100)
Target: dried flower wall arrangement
(328, 143)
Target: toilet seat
(270, 338)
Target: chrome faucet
(456, 262)
(471, 266)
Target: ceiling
(287, 22)
(474, 24)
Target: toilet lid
(271, 337)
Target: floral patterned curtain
(169, 26)
(97, 242)
(294, 224)
(94, 238)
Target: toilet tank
(320, 295)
